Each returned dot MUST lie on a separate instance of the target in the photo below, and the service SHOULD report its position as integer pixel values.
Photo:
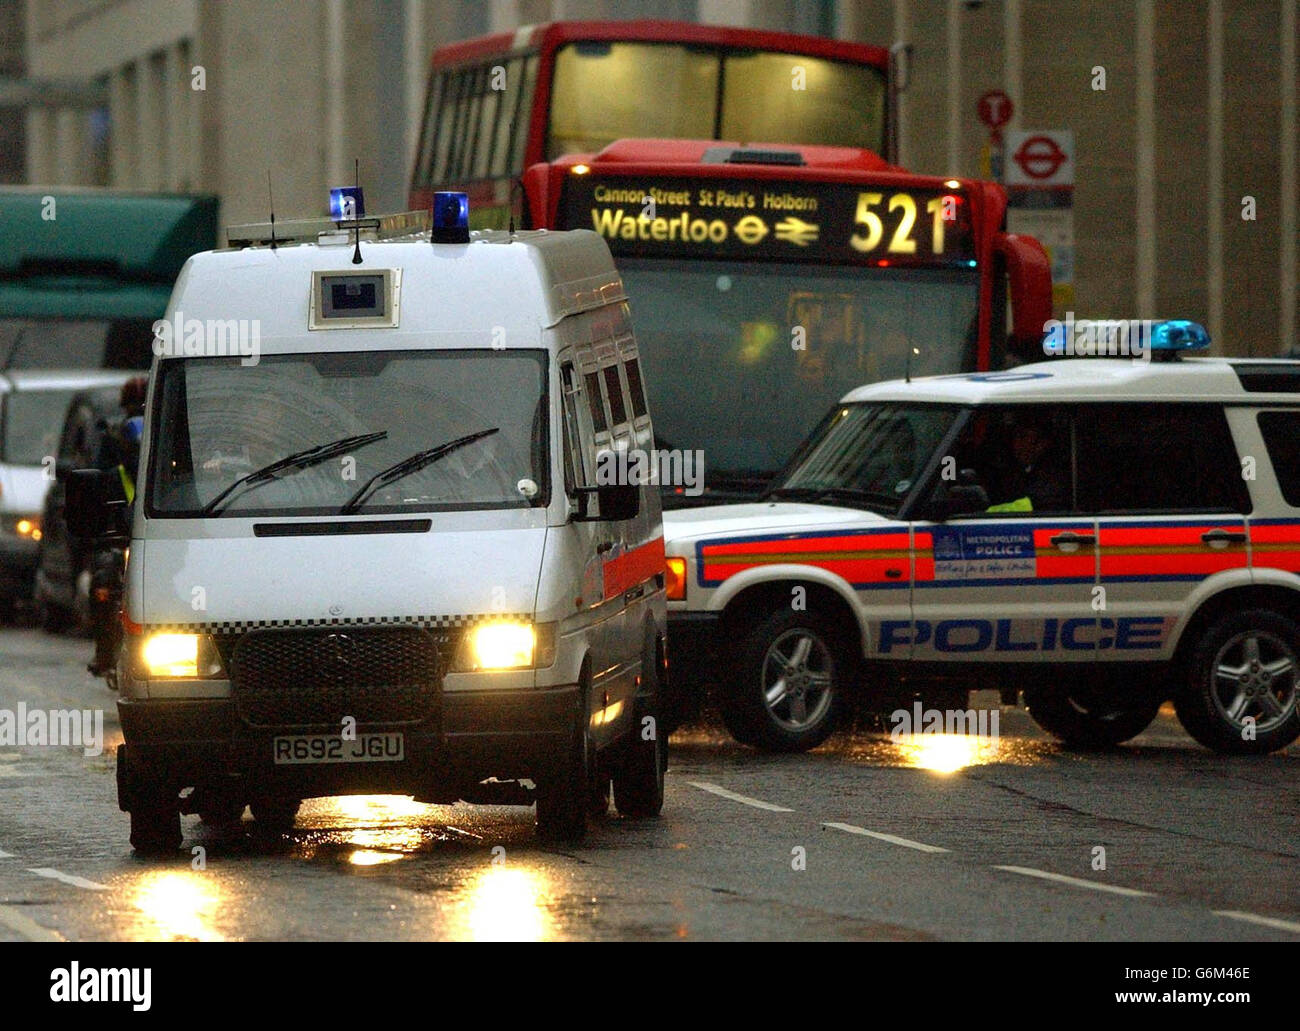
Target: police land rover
(1101, 534)
(371, 554)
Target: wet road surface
(932, 837)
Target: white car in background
(33, 405)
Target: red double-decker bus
(498, 104)
(767, 282)
(767, 279)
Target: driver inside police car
(1030, 477)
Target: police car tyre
(1244, 665)
(1092, 717)
(785, 692)
(564, 795)
(639, 778)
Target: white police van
(1100, 534)
(369, 554)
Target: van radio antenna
(271, 199)
(356, 230)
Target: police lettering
(1076, 634)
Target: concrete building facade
(1185, 200)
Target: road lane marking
(1078, 882)
(5, 855)
(893, 839)
(722, 792)
(1263, 921)
(67, 878)
(27, 927)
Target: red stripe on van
(625, 571)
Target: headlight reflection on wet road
(180, 905)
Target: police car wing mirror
(86, 502)
(614, 503)
(960, 499)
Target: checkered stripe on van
(243, 626)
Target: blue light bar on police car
(1172, 335)
(347, 203)
(450, 218)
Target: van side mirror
(86, 501)
(614, 503)
(959, 499)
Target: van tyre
(788, 683)
(639, 778)
(274, 816)
(564, 797)
(1088, 716)
(1244, 666)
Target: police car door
(1000, 578)
(1167, 487)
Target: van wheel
(1238, 694)
(563, 796)
(155, 824)
(788, 682)
(639, 778)
(1084, 716)
(274, 815)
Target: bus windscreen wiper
(407, 466)
(292, 464)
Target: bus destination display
(774, 221)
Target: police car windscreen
(217, 420)
(869, 454)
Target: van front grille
(317, 677)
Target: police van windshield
(869, 455)
(218, 420)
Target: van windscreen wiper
(408, 466)
(292, 464)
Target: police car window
(1281, 432)
(635, 387)
(614, 390)
(1021, 455)
(225, 420)
(591, 383)
(1167, 457)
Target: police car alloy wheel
(784, 692)
(1239, 696)
(1092, 716)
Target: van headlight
(506, 645)
(165, 655)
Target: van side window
(614, 389)
(592, 386)
(574, 472)
(635, 387)
(1280, 431)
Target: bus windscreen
(744, 358)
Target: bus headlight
(165, 655)
(506, 645)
